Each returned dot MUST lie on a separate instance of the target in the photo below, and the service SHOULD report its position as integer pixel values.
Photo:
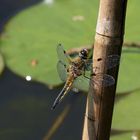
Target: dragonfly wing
(105, 80)
(65, 58)
(62, 71)
(88, 65)
(81, 83)
(112, 61)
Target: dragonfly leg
(85, 75)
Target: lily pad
(127, 113)
(33, 35)
(126, 136)
(129, 69)
(30, 38)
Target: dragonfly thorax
(76, 68)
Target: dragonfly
(72, 71)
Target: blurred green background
(30, 32)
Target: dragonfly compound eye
(83, 53)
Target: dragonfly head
(83, 54)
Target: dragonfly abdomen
(64, 91)
(69, 81)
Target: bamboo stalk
(108, 41)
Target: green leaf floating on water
(129, 69)
(31, 37)
(127, 113)
(124, 136)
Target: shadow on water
(25, 106)
(26, 110)
(123, 95)
(120, 132)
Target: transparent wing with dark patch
(62, 56)
(88, 64)
(62, 71)
(103, 79)
(81, 83)
(112, 61)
